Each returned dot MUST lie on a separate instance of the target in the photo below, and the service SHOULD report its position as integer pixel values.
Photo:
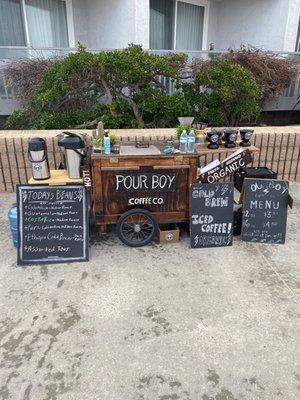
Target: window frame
(297, 48)
(202, 3)
(70, 24)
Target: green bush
(71, 92)
(230, 88)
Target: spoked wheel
(136, 228)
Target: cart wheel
(136, 228)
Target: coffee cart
(137, 192)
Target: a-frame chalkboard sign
(265, 210)
(211, 214)
(53, 224)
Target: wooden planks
(109, 204)
(57, 177)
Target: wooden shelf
(57, 177)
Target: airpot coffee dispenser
(37, 156)
(74, 152)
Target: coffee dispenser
(74, 152)
(37, 156)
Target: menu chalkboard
(211, 214)
(265, 210)
(53, 224)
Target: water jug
(13, 223)
(74, 152)
(37, 156)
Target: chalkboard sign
(53, 224)
(211, 214)
(265, 210)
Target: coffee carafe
(37, 156)
(74, 152)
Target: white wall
(103, 24)
(212, 34)
(267, 24)
(80, 21)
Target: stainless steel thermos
(37, 156)
(74, 152)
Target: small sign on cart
(211, 214)
(231, 164)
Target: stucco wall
(102, 24)
(212, 34)
(268, 24)
(81, 26)
(260, 23)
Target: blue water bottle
(106, 144)
(13, 222)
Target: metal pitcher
(74, 152)
(38, 157)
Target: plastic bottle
(13, 222)
(191, 142)
(106, 144)
(183, 142)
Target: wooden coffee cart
(137, 192)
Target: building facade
(36, 27)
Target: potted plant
(113, 142)
(97, 144)
(98, 138)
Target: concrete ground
(156, 323)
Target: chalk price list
(211, 216)
(52, 223)
(264, 214)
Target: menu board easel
(53, 224)
(265, 210)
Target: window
(176, 25)
(37, 23)
(161, 24)
(11, 23)
(298, 39)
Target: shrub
(122, 88)
(229, 87)
(24, 76)
(272, 72)
(77, 85)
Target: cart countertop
(201, 150)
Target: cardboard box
(168, 233)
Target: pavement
(155, 323)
